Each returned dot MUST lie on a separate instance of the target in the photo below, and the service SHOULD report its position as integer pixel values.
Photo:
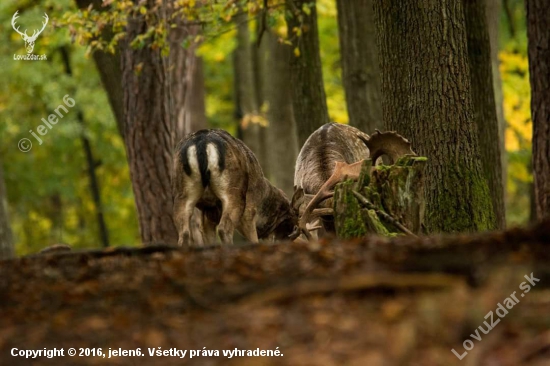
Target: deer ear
(388, 143)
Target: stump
(386, 200)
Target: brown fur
(332, 153)
(331, 143)
(236, 195)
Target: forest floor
(369, 302)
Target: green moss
(352, 224)
(464, 206)
(385, 183)
(374, 223)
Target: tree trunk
(306, 74)
(195, 109)
(187, 81)
(493, 10)
(483, 97)
(281, 140)
(149, 134)
(108, 65)
(427, 98)
(55, 212)
(247, 88)
(91, 162)
(538, 24)
(6, 237)
(360, 68)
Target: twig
(263, 24)
(322, 212)
(382, 214)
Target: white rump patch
(192, 159)
(213, 157)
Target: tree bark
(483, 97)
(187, 81)
(493, 10)
(427, 98)
(306, 74)
(360, 68)
(150, 132)
(247, 88)
(538, 24)
(6, 237)
(195, 109)
(281, 140)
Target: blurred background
(48, 189)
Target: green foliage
(48, 187)
(514, 70)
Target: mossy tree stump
(394, 200)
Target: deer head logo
(29, 40)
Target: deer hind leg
(197, 228)
(184, 206)
(232, 210)
(209, 230)
(247, 225)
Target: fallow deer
(220, 176)
(331, 154)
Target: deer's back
(330, 143)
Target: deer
(29, 40)
(218, 177)
(331, 154)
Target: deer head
(331, 154)
(29, 40)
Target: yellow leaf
(297, 52)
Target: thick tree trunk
(483, 97)
(493, 24)
(306, 74)
(281, 140)
(6, 236)
(427, 98)
(247, 88)
(150, 131)
(538, 24)
(360, 67)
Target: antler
(35, 34)
(341, 171)
(13, 21)
(388, 143)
